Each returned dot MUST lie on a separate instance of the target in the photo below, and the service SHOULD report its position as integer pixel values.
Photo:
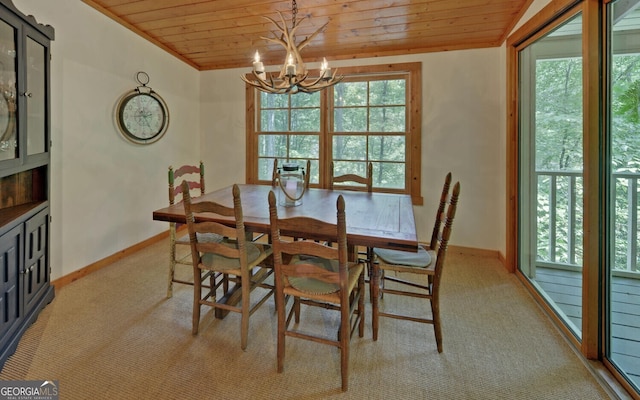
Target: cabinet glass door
(8, 136)
(35, 93)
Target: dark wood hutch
(24, 173)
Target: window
(370, 124)
(373, 115)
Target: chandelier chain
(294, 11)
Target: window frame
(413, 136)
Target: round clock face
(142, 117)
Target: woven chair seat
(421, 259)
(202, 237)
(221, 263)
(312, 285)
(316, 286)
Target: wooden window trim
(414, 122)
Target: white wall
(533, 9)
(104, 188)
(463, 132)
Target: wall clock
(141, 114)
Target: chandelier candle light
(293, 74)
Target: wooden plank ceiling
(217, 34)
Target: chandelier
(293, 77)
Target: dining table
(376, 219)
(383, 220)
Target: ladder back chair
(429, 262)
(367, 180)
(435, 234)
(314, 274)
(194, 176)
(235, 257)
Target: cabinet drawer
(36, 258)
(11, 256)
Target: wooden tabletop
(373, 219)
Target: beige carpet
(113, 335)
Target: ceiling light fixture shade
(293, 77)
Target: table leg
(374, 287)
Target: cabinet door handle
(28, 94)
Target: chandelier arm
(333, 77)
(259, 82)
(262, 86)
(276, 87)
(297, 48)
(287, 41)
(308, 39)
(293, 80)
(288, 36)
(284, 44)
(294, 27)
(273, 21)
(281, 42)
(305, 85)
(282, 29)
(316, 86)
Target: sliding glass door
(574, 174)
(623, 123)
(551, 161)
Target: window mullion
(326, 135)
